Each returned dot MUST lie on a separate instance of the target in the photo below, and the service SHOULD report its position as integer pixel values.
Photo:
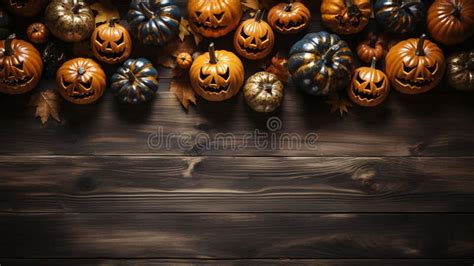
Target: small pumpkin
(346, 16)
(37, 33)
(111, 43)
(5, 24)
(154, 22)
(81, 81)
(135, 82)
(290, 17)
(460, 70)
(451, 21)
(369, 48)
(214, 18)
(254, 38)
(20, 66)
(184, 60)
(70, 20)
(400, 16)
(263, 92)
(415, 65)
(25, 8)
(369, 86)
(321, 63)
(216, 75)
(54, 55)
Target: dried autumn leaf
(167, 56)
(278, 67)
(339, 104)
(104, 10)
(47, 105)
(250, 4)
(183, 28)
(181, 87)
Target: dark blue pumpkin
(135, 81)
(154, 21)
(5, 24)
(321, 63)
(399, 16)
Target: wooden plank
(236, 235)
(230, 184)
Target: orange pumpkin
(111, 43)
(216, 75)
(346, 16)
(369, 86)
(37, 33)
(289, 17)
(20, 66)
(81, 81)
(372, 47)
(184, 60)
(415, 65)
(214, 18)
(451, 21)
(254, 38)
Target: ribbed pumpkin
(25, 8)
(111, 43)
(20, 66)
(37, 33)
(346, 16)
(135, 82)
(372, 47)
(290, 17)
(216, 75)
(415, 65)
(451, 21)
(184, 60)
(400, 16)
(214, 18)
(263, 92)
(154, 22)
(460, 70)
(321, 63)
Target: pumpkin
(154, 22)
(415, 65)
(400, 16)
(184, 60)
(37, 33)
(372, 47)
(70, 20)
(346, 16)
(81, 81)
(53, 56)
(254, 38)
(111, 43)
(451, 21)
(20, 66)
(460, 70)
(369, 86)
(135, 82)
(216, 75)
(5, 24)
(263, 92)
(321, 63)
(25, 8)
(214, 18)
(289, 17)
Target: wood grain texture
(235, 184)
(234, 235)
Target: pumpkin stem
(268, 88)
(129, 75)
(420, 51)
(408, 4)
(349, 3)
(148, 13)
(212, 54)
(456, 11)
(8, 45)
(75, 8)
(374, 62)
(288, 7)
(112, 21)
(329, 53)
(81, 71)
(259, 15)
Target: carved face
(111, 43)
(415, 65)
(217, 76)
(369, 87)
(81, 81)
(346, 16)
(25, 8)
(254, 39)
(214, 18)
(20, 66)
(289, 18)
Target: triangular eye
(243, 34)
(226, 75)
(65, 82)
(198, 13)
(407, 69)
(100, 40)
(432, 69)
(359, 79)
(264, 38)
(19, 66)
(120, 41)
(203, 76)
(219, 16)
(380, 83)
(88, 84)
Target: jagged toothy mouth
(111, 55)
(365, 96)
(292, 25)
(217, 90)
(418, 84)
(206, 27)
(251, 50)
(13, 81)
(84, 95)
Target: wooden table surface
(392, 185)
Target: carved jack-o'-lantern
(369, 86)
(214, 18)
(20, 66)
(254, 38)
(415, 65)
(345, 16)
(289, 17)
(81, 81)
(25, 8)
(216, 75)
(111, 42)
